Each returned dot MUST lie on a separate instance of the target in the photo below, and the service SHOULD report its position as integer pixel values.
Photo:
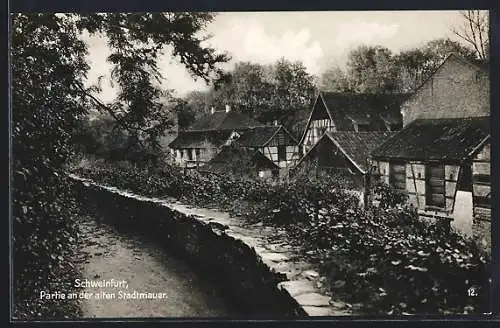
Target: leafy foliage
(48, 102)
(375, 69)
(371, 69)
(265, 92)
(384, 257)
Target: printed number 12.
(472, 291)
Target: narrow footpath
(127, 264)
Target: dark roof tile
(199, 139)
(257, 136)
(358, 145)
(363, 108)
(237, 159)
(436, 139)
(222, 120)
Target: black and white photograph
(250, 165)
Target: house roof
(260, 136)
(257, 136)
(222, 120)
(346, 108)
(357, 146)
(452, 139)
(362, 108)
(198, 139)
(238, 159)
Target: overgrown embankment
(384, 259)
(45, 241)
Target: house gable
(353, 147)
(352, 112)
(238, 160)
(458, 88)
(319, 112)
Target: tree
(415, 65)
(49, 100)
(293, 86)
(198, 101)
(371, 69)
(265, 92)
(334, 79)
(475, 32)
(186, 114)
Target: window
(465, 178)
(198, 152)
(281, 153)
(434, 189)
(362, 128)
(190, 154)
(397, 175)
(181, 152)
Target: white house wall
(462, 214)
(271, 152)
(206, 154)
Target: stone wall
(457, 89)
(261, 277)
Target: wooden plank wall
(481, 188)
(481, 183)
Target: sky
(318, 39)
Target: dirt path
(146, 269)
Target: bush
(383, 256)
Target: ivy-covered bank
(383, 257)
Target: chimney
(228, 108)
(212, 110)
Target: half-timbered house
(241, 162)
(275, 142)
(200, 142)
(344, 154)
(356, 112)
(444, 167)
(441, 158)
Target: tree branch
(110, 112)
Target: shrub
(383, 256)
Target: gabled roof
(449, 139)
(362, 108)
(346, 108)
(222, 120)
(483, 67)
(260, 136)
(356, 146)
(238, 159)
(198, 139)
